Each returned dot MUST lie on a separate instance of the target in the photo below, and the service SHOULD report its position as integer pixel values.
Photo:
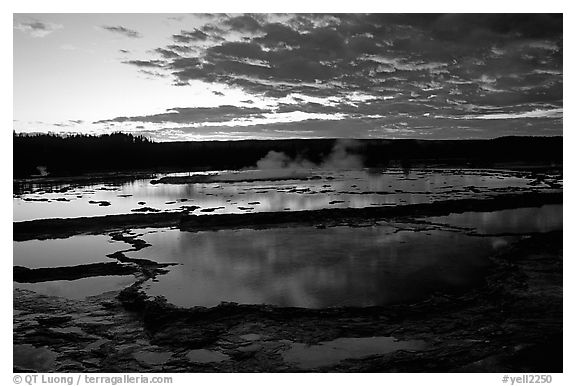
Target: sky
(179, 77)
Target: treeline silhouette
(120, 152)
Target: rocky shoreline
(512, 323)
(61, 228)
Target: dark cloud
(190, 36)
(153, 74)
(426, 66)
(363, 50)
(123, 31)
(37, 28)
(146, 63)
(212, 30)
(168, 54)
(193, 115)
(178, 48)
(487, 26)
(278, 35)
(239, 50)
(243, 23)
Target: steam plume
(340, 158)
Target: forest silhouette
(120, 152)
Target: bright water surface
(297, 266)
(349, 189)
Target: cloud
(374, 71)
(146, 63)
(194, 115)
(243, 23)
(551, 113)
(168, 54)
(179, 48)
(388, 126)
(36, 28)
(189, 36)
(123, 31)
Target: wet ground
(251, 191)
(468, 283)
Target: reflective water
(338, 266)
(80, 288)
(330, 353)
(300, 266)
(309, 267)
(75, 250)
(354, 189)
(71, 251)
(522, 220)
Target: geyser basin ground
(330, 353)
(495, 306)
(498, 327)
(299, 266)
(271, 191)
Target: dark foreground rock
(513, 323)
(27, 275)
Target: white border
(182, 6)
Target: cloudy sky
(217, 76)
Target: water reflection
(354, 188)
(75, 250)
(330, 353)
(317, 268)
(80, 288)
(522, 220)
(300, 266)
(339, 266)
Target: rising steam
(340, 158)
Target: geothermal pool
(338, 266)
(261, 191)
(315, 268)
(302, 266)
